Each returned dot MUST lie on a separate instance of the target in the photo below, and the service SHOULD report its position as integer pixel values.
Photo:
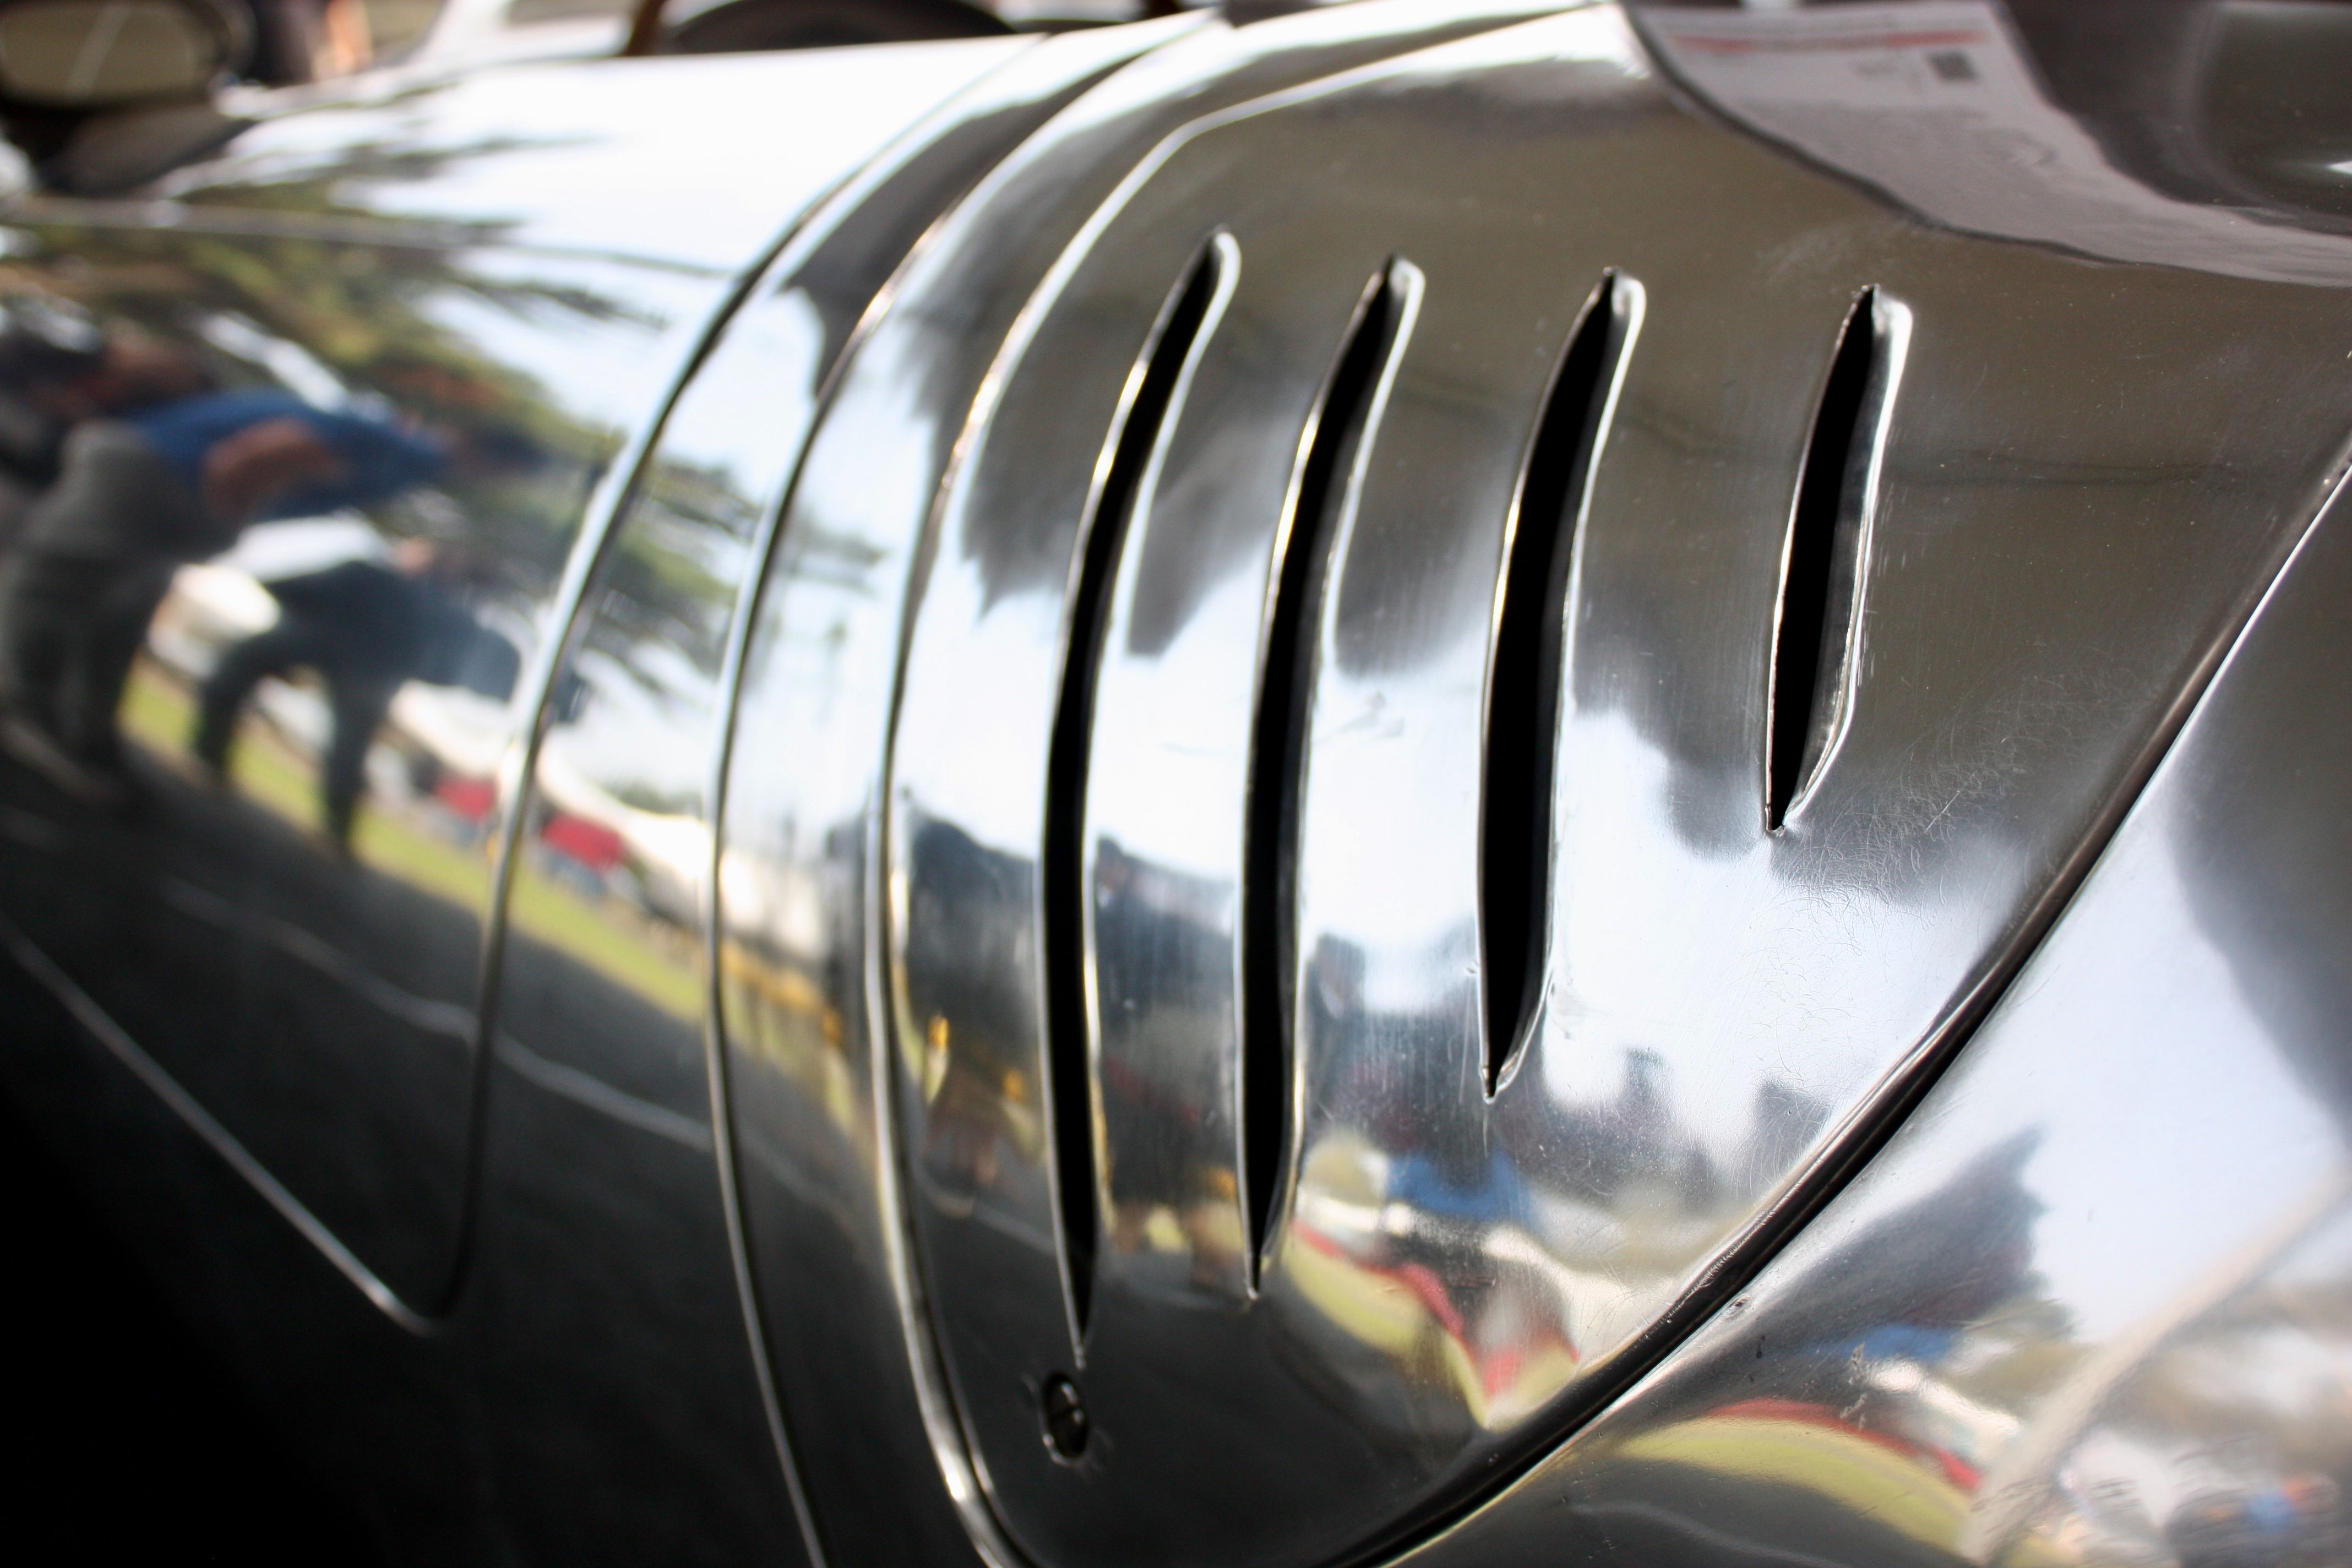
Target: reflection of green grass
(393, 847)
(160, 713)
(601, 939)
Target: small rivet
(1066, 1426)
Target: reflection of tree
(1938, 1264)
(665, 585)
(300, 262)
(1944, 1284)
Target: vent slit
(1122, 489)
(1817, 626)
(1528, 666)
(1332, 449)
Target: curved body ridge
(1452, 782)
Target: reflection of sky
(965, 707)
(2170, 1134)
(825, 673)
(1390, 854)
(1734, 971)
(2171, 1069)
(579, 367)
(751, 398)
(1171, 737)
(742, 416)
(631, 734)
(717, 151)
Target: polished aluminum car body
(1455, 783)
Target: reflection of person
(309, 41)
(57, 369)
(365, 629)
(135, 498)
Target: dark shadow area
(130, 1438)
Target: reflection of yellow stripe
(1380, 1312)
(781, 1015)
(785, 988)
(1377, 1311)
(1861, 1476)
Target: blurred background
(137, 1436)
(63, 60)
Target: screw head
(1066, 1424)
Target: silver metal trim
(200, 1121)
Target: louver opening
(1817, 629)
(1154, 393)
(1527, 666)
(1333, 451)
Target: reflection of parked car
(1408, 783)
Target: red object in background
(591, 844)
(470, 798)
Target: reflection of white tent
(222, 601)
(463, 731)
(209, 609)
(270, 551)
(672, 853)
(774, 896)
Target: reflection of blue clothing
(1416, 1182)
(2271, 1512)
(375, 622)
(380, 459)
(1894, 1342)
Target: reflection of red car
(591, 844)
(472, 799)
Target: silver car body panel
(2087, 1305)
(1412, 783)
(1729, 1001)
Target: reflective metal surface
(2088, 1305)
(330, 418)
(604, 1115)
(2180, 132)
(811, 1084)
(2051, 554)
(1257, 817)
